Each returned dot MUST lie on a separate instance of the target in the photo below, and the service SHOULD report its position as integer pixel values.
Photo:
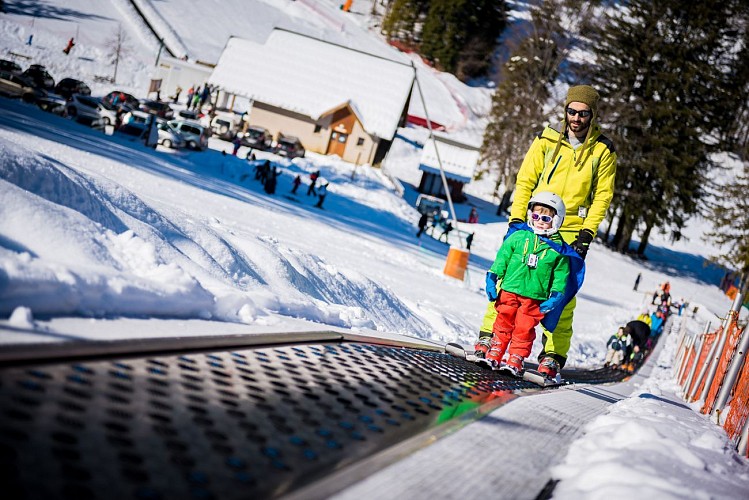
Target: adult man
(579, 165)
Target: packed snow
(102, 238)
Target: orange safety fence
(689, 358)
(739, 405)
(732, 342)
(701, 360)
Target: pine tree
(404, 21)
(731, 231)
(518, 103)
(664, 73)
(460, 35)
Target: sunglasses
(542, 218)
(584, 113)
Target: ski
(457, 350)
(540, 380)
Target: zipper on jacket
(559, 158)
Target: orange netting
(732, 342)
(701, 360)
(739, 410)
(689, 358)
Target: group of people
(628, 347)
(563, 190)
(433, 222)
(196, 97)
(267, 174)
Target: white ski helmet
(550, 200)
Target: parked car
(81, 107)
(69, 86)
(194, 133)
(257, 138)
(224, 127)
(190, 114)
(170, 137)
(50, 102)
(11, 67)
(12, 85)
(121, 100)
(39, 77)
(158, 108)
(289, 146)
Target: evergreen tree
(404, 20)
(731, 231)
(460, 35)
(518, 103)
(664, 72)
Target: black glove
(582, 243)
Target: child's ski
(540, 380)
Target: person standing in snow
(446, 232)
(578, 164)
(422, 224)
(177, 92)
(69, 46)
(190, 94)
(527, 281)
(312, 181)
(469, 241)
(473, 217)
(296, 183)
(322, 192)
(237, 143)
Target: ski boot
(549, 367)
(513, 366)
(482, 347)
(495, 354)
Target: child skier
(532, 268)
(617, 345)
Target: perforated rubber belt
(247, 423)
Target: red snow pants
(516, 322)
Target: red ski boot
(514, 365)
(549, 367)
(496, 352)
(482, 347)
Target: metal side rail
(170, 419)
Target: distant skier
(69, 46)
(422, 224)
(473, 217)
(469, 241)
(296, 183)
(446, 232)
(322, 192)
(637, 281)
(313, 180)
(532, 268)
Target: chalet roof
(458, 160)
(310, 76)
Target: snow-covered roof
(309, 76)
(458, 160)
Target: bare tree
(118, 48)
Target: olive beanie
(586, 95)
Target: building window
(360, 141)
(317, 129)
